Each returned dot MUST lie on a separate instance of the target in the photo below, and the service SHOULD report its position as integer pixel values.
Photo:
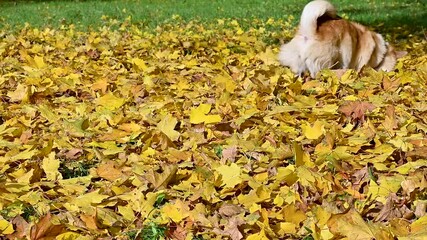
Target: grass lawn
(388, 13)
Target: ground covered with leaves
(194, 131)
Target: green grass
(14, 14)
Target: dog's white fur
(324, 40)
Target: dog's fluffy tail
(312, 12)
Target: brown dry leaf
(177, 232)
(229, 153)
(393, 209)
(74, 153)
(418, 152)
(415, 181)
(356, 110)
(22, 228)
(390, 121)
(361, 178)
(420, 208)
(45, 229)
(229, 210)
(232, 229)
(25, 136)
(93, 54)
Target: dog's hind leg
(347, 48)
(367, 42)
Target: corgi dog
(325, 41)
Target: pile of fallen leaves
(194, 131)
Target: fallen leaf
(229, 153)
(356, 110)
(45, 229)
(232, 229)
(110, 101)
(177, 211)
(161, 180)
(22, 228)
(6, 227)
(258, 236)
(313, 132)
(20, 94)
(229, 210)
(390, 210)
(109, 171)
(50, 166)
(200, 115)
(226, 82)
(351, 224)
(230, 175)
(74, 153)
(167, 126)
(90, 221)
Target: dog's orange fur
(324, 40)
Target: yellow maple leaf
(162, 179)
(226, 82)
(39, 61)
(286, 174)
(313, 132)
(351, 224)
(21, 93)
(287, 228)
(101, 84)
(47, 113)
(199, 115)
(139, 63)
(89, 220)
(410, 166)
(258, 236)
(130, 127)
(50, 166)
(268, 57)
(110, 102)
(418, 226)
(25, 178)
(126, 212)
(231, 175)
(293, 214)
(401, 144)
(385, 185)
(6, 227)
(107, 217)
(27, 154)
(85, 201)
(167, 125)
(322, 215)
(68, 235)
(176, 211)
(110, 147)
